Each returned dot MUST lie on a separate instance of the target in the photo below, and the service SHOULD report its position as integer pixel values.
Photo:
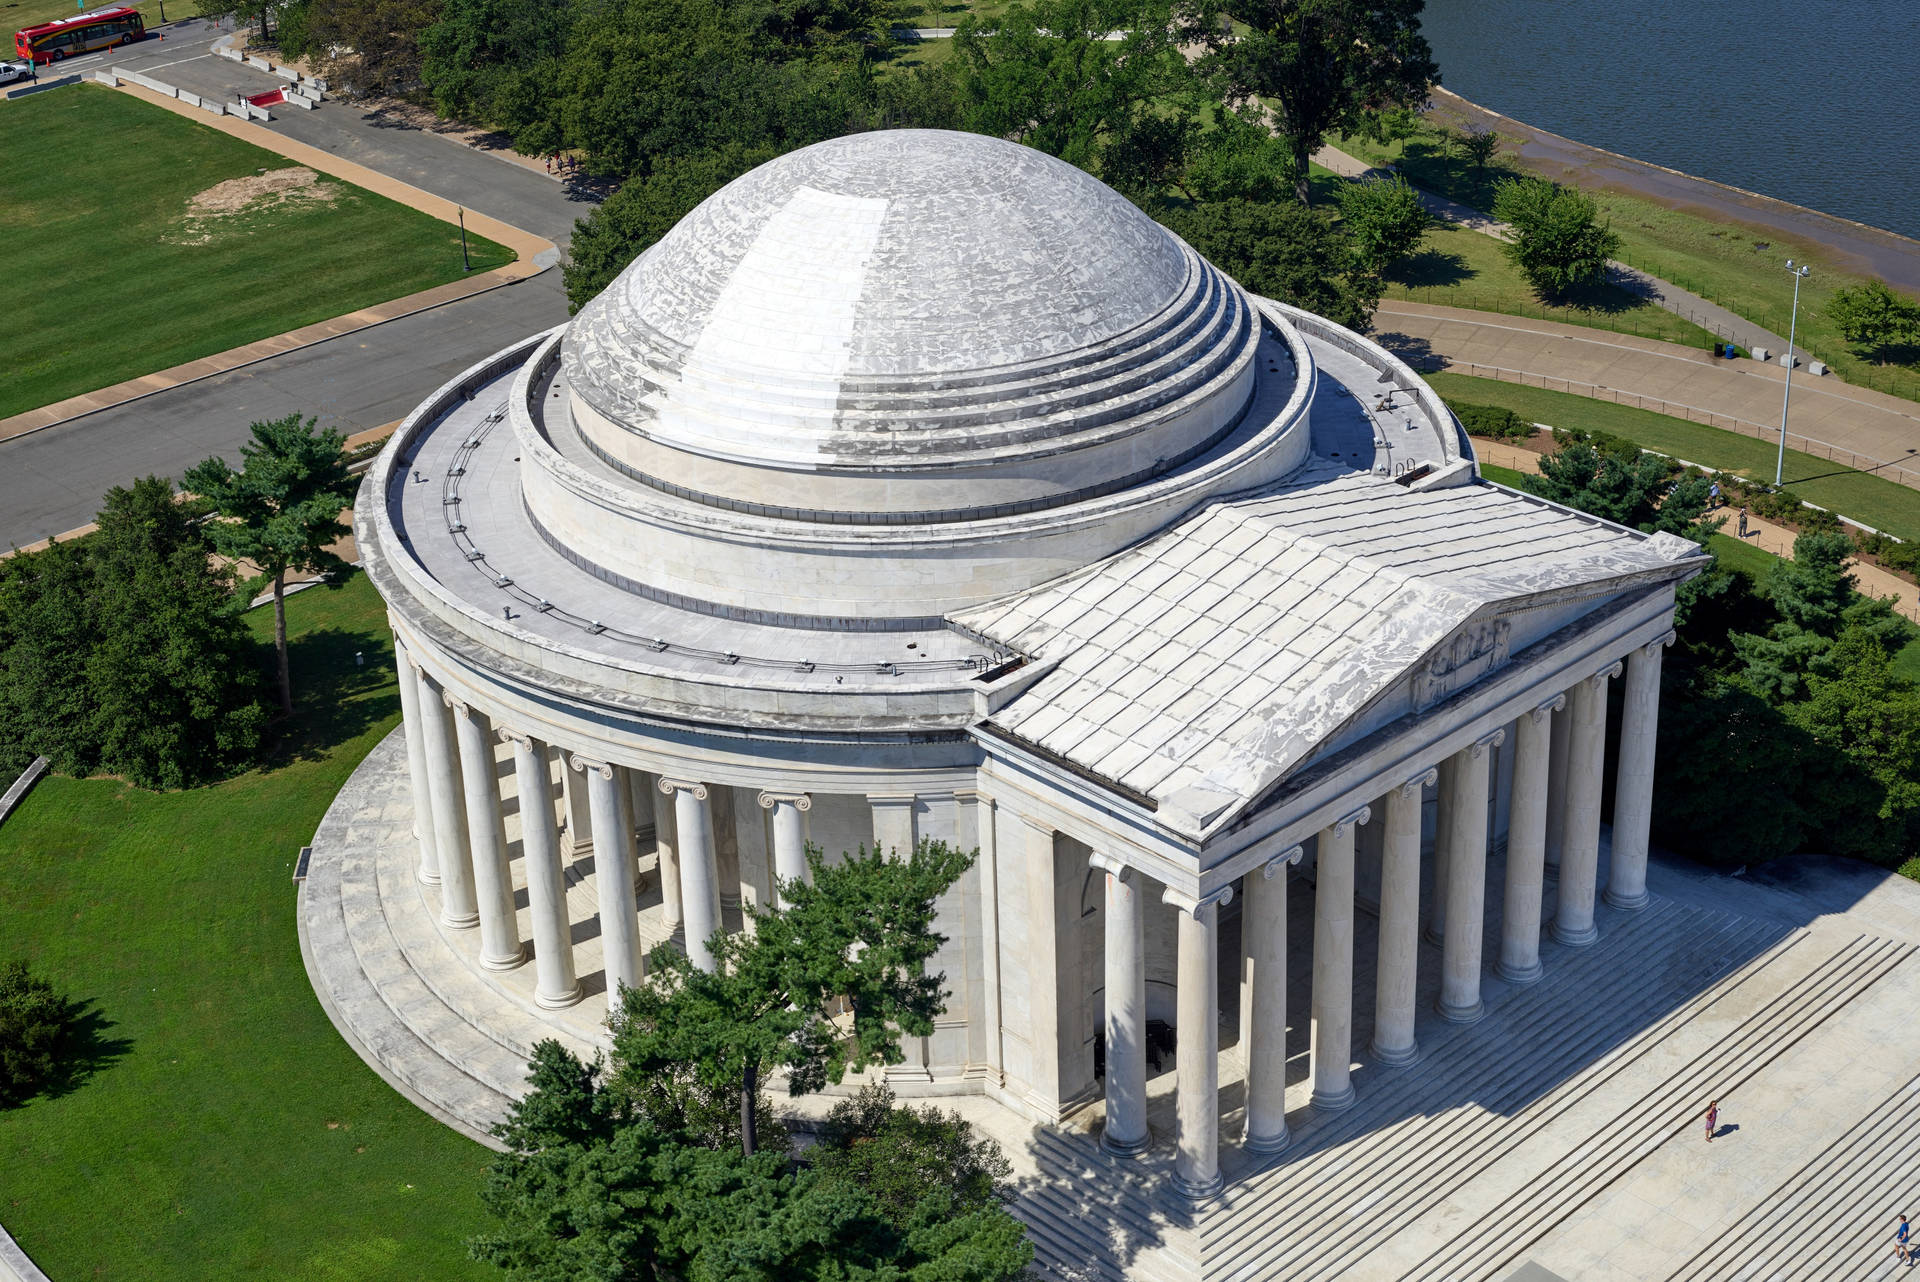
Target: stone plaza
(917, 486)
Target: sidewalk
(1856, 426)
(535, 255)
(1763, 534)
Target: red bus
(65, 37)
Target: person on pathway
(1743, 523)
(1713, 1118)
(1900, 1241)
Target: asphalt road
(51, 481)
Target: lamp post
(1780, 460)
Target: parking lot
(180, 54)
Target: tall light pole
(1780, 462)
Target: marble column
(1527, 845)
(1196, 1160)
(1466, 839)
(487, 838)
(987, 838)
(1580, 834)
(555, 984)
(1126, 1001)
(1332, 1013)
(613, 876)
(666, 845)
(892, 823)
(1442, 822)
(789, 813)
(458, 907)
(699, 872)
(1633, 786)
(578, 839)
(726, 846)
(1398, 973)
(416, 732)
(1263, 919)
(1557, 786)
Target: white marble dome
(910, 323)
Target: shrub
(1494, 422)
(1559, 242)
(33, 1023)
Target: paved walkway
(1856, 426)
(534, 255)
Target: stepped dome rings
(910, 326)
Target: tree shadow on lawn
(1431, 268)
(335, 698)
(85, 1049)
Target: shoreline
(1857, 247)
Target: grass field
(1872, 500)
(224, 1130)
(114, 277)
(1742, 268)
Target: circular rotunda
(917, 485)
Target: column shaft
(1399, 967)
(1196, 1163)
(987, 837)
(487, 838)
(666, 844)
(555, 984)
(1526, 848)
(789, 815)
(457, 904)
(1466, 839)
(1580, 836)
(416, 732)
(573, 787)
(1557, 785)
(699, 873)
(1633, 786)
(613, 876)
(1332, 1013)
(1442, 822)
(1264, 921)
(1126, 988)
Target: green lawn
(1738, 266)
(112, 279)
(1872, 500)
(225, 1130)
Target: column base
(1204, 1191)
(560, 1001)
(460, 921)
(513, 961)
(1627, 903)
(427, 877)
(1125, 1148)
(1576, 938)
(1334, 1101)
(1519, 976)
(1268, 1145)
(1394, 1056)
(1461, 1014)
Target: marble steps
(1494, 1244)
(1093, 1217)
(1306, 1214)
(1833, 1219)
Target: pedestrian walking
(1713, 1118)
(1713, 495)
(1900, 1241)
(1743, 523)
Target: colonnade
(460, 824)
(1553, 804)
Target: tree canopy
(1385, 219)
(1875, 319)
(1559, 242)
(1284, 251)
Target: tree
(280, 511)
(494, 60)
(901, 1155)
(640, 213)
(171, 679)
(860, 931)
(1860, 709)
(1283, 251)
(33, 1025)
(1873, 317)
(1628, 487)
(47, 636)
(1385, 219)
(1480, 146)
(1814, 600)
(1558, 241)
(1322, 65)
(375, 41)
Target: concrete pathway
(1861, 428)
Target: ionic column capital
(1271, 869)
(668, 787)
(587, 766)
(1659, 643)
(1354, 820)
(1599, 679)
(1112, 865)
(461, 708)
(798, 800)
(1425, 779)
(1548, 708)
(1479, 747)
(518, 738)
(1194, 907)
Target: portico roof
(1200, 667)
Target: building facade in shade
(919, 486)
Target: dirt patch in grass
(264, 191)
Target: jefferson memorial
(917, 485)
